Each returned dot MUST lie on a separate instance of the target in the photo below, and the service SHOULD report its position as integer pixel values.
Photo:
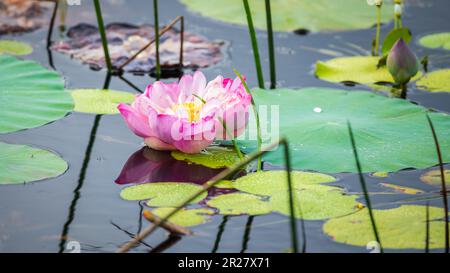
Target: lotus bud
(398, 10)
(375, 2)
(402, 63)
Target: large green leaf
(99, 101)
(289, 15)
(163, 194)
(437, 40)
(402, 227)
(239, 203)
(357, 69)
(185, 217)
(391, 134)
(22, 164)
(215, 157)
(316, 201)
(30, 95)
(15, 47)
(436, 81)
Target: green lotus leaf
(30, 95)
(434, 177)
(22, 164)
(316, 201)
(437, 40)
(99, 101)
(398, 228)
(163, 194)
(239, 203)
(15, 47)
(436, 81)
(185, 217)
(290, 15)
(389, 132)
(357, 69)
(215, 157)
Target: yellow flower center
(192, 109)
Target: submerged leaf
(213, 157)
(398, 228)
(22, 164)
(15, 47)
(30, 95)
(99, 101)
(291, 15)
(125, 40)
(436, 81)
(434, 177)
(320, 141)
(437, 40)
(164, 194)
(185, 217)
(239, 203)
(358, 69)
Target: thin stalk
(101, 29)
(52, 23)
(155, 13)
(246, 238)
(273, 77)
(220, 233)
(443, 185)
(233, 140)
(251, 30)
(258, 124)
(427, 229)
(377, 38)
(215, 180)
(363, 186)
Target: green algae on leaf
(239, 203)
(99, 101)
(22, 164)
(12, 47)
(437, 40)
(291, 15)
(436, 81)
(319, 140)
(163, 194)
(399, 228)
(357, 69)
(30, 95)
(185, 217)
(215, 157)
(401, 189)
(434, 177)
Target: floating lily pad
(164, 194)
(224, 184)
(125, 40)
(30, 95)
(14, 47)
(380, 174)
(17, 16)
(290, 15)
(22, 164)
(437, 40)
(239, 203)
(399, 228)
(358, 69)
(389, 133)
(434, 177)
(99, 101)
(213, 157)
(436, 81)
(316, 201)
(185, 217)
(401, 189)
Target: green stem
(273, 77)
(252, 33)
(377, 39)
(363, 186)
(155, 12)
(101, 28)
(255, 111)
(233, 140)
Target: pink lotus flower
(187, 115)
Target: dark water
(84, 203)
